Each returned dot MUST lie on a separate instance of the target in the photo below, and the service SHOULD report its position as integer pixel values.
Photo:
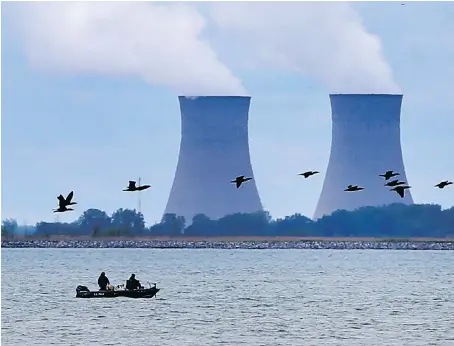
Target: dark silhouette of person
(132, 283)
(103, 281)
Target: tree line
(394, 220)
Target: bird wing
(132, 183)
(238, 183)
(400, 192)
(70, 197)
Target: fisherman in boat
(132, 283)
(103, 281)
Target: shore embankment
(234, 243)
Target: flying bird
(132, 186)
(66, 201)
(400, 190)
(395, 183)
(353, 188)
(443, 184)
(240, 180)
(308, 173)
(388, 174)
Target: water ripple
(230, 297)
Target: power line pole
(140, 201)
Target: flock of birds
(63, 202)
(397, 186)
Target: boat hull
(140, 293)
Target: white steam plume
(326, 41)
(156, 42)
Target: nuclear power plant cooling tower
(214, 149)
(365, 143)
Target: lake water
(230, 297)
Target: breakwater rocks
(177, 244)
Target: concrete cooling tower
(365, 143)
(214, 149)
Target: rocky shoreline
(178, 244)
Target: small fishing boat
(84, 292)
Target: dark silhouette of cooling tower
(365, 143)
(214, 149)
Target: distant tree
(96, 231)
(170, 225)
(5, 232)
(117, 232)
(201, 225)
(243, 224)
(57, 228)
(127, 220)
(296, 225)
(447, 216)
(93, 221)
(393, 220)
(9, 227)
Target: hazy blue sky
(89, 94)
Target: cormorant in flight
(388, 174)
(443, 184)
(400, 190)
(308, 173)
(395, 183)
(240, 180)
(132, 186)
(353, 188)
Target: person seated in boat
(103, 281)
(132, 283)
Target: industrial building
(214, 149)
(365, 143)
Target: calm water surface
(230, 297)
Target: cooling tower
(365, 143)
(214, 149)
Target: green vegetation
(391, 221)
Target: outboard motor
(82, 289)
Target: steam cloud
(161, 43)
(157, 42)
(325, 41)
